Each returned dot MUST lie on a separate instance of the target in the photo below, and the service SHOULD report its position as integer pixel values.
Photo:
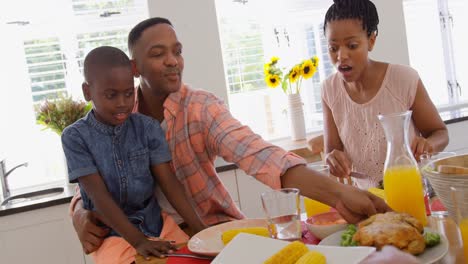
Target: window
(45, 52)
(438, 52)
(249, 40)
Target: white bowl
(325, 224)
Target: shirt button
(124, 180)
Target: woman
(361, 89)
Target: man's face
(157, 55)
(112, 93)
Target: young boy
(118, 157)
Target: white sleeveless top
(358, 126)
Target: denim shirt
(122, 156)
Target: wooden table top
(437, 222)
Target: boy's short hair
(102, 59)
(137, 30)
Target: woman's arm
(175, 194)
(427, 120)
(339, 162)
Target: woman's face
(348, 47)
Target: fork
(187, 255)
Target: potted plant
(59, 113)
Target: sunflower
(315, 61)
(274, 59)
(266, 68)
(272, 80)
(307, 69)
(294, 74)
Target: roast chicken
(398, 229)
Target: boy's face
(157, 57)
(113, 95)
(348, 47)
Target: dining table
(438, 221)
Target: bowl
(325, 224)
(442, 179)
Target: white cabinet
(229, 179)
(249, 195)
(39, 236)
(457, 136)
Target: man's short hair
(137, 30)
(102, 59)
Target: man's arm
(352, 203)
(85, 223)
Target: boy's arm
(109, 212)
(176, 195)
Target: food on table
(377, 191)
(288, 254)
(431, 239)
(312, 257)
(347, 236)
(228, 235)
(398, 229)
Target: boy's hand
(158, 248)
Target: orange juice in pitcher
(402, 179)
(464, 233)
(404, 191)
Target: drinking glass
(282, 209)
(460, 202)
(313, 207)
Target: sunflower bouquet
(292, 79)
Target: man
(199, 128)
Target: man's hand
(390, 255)
(355, 204)
(85, 223)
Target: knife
(187, 255)
(359, 175)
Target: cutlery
(187, 255)
(359, 175)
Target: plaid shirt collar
(172, 103)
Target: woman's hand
(419, 146)
(340, 165)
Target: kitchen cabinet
(40, 236)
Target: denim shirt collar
(103, 128)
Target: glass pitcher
(402, 179)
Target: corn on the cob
(228, 235)
(312, 257)
(289, 254)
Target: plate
(208, 241)
(430, 255)
(251, 249)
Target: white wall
(196, 25)
(391, 45)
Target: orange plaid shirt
(200, 128)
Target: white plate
(430, 255)
(208, 241)
(252, 249)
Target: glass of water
(282, 209)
